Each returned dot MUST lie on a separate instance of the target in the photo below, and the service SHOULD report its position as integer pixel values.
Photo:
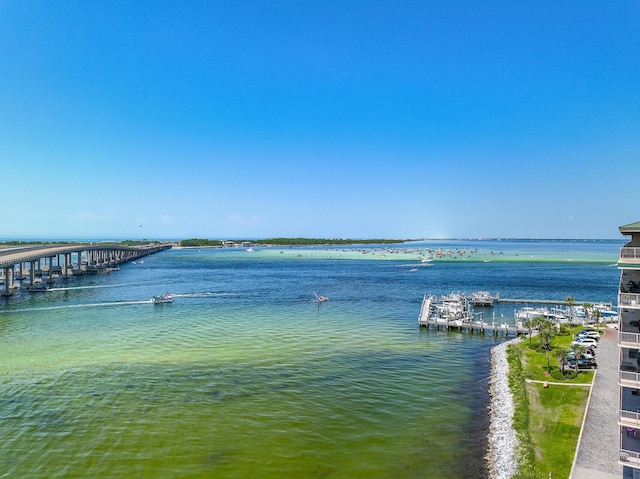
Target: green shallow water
(245, 376)
(314, 401)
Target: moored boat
(482, 298)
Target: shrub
(556, 374)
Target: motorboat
(163, 298)
(320, 298)
(482, 298)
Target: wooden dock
(536, 301)
(481, 327)
(426, 318)
(563, 302)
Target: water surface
(244, 375)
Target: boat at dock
(482, 298)
(528, 313)
(163, 298)
(453, 312)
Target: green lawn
(548, 420)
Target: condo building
(629, 346)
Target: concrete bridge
(50, 261)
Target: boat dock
(452, 312)
(536, 301)
(563, 302)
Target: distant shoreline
(27, 240)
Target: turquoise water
(244, 375)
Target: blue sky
(357, 119)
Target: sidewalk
(599, 443)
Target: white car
(586, 342)
(590, 334)
(572, 355)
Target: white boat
(528, 313)
(482, 298)
(163, 298)
(320, 298)
(250, 249)
(448, 310)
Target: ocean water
(246, 376)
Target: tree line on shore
(290, 242)
(201, 242)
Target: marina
(455, 311)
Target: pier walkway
(51, 261)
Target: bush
(568, 374)
(556, 374)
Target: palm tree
(579, 350)
(545, 327)
(587, 310)
(546, 336)
(597, 314)
(534, 323)
(562, 354)
(570, 302)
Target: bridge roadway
(52, 260)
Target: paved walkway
(599, 444)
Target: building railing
(629, 417)
(629, 457)
(629, 376)
(629, 299)
(629, 253)
(633, 338)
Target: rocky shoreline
(503, 441)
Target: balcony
(629, 376)
(629, 300)
(630, 419)
(629, 413)
(629, 340)
(629, 458)
(629, 255)
(630, 446)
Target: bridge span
(47, 262)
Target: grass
(547, 420)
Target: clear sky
(356, 119)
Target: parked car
(585, 342)
(585, 330)
(589, 334)
(572, 356)
(583, 363)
